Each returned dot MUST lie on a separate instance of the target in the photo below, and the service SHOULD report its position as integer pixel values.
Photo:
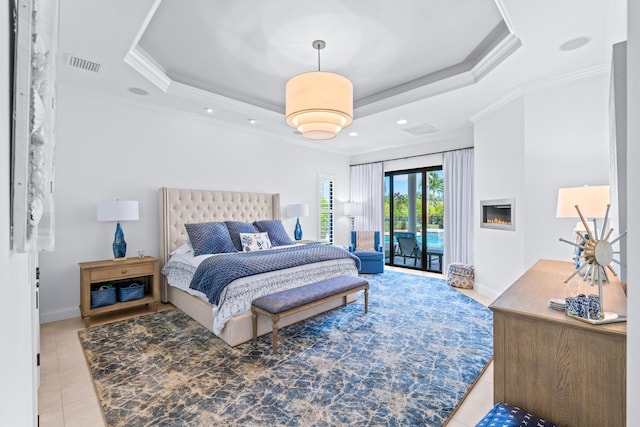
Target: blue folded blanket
(216, 272)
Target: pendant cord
(318, 57)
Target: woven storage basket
(460, 275)
(130, 291)
(103, 296)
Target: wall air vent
(422, 129)
(83, 64)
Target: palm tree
(435, 185)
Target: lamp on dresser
(118, 210)
(297, 210)
(594, 251)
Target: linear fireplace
(499, 214)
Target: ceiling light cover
(319, 104)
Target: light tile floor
(66, 397)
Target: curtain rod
(410, 157)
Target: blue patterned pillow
(505, 415)
(277, 234)
(209, 238)
(237, 227)
(252, 242)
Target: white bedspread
(237, 296)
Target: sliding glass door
(414, 231)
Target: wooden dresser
(569, 372)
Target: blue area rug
(408, 362)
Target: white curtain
(457, 171)
(367, 188)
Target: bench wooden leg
(366, 300)
(275, 319)
(254, 320)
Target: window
(325, 201)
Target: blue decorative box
(130, 291)
(104, 295)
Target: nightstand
(94, 274)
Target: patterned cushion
(237, 227)
(277, 233)
(365, 241)
(460, 275)
(255, 241)
(504, 415)
(209, 238)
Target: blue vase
(119, 245)
(297, 232)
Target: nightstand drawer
(122, 271)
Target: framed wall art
(34, 103)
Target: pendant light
(319, 104)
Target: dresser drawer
(121, 272)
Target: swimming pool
(435, 238)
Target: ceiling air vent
(83, 64)
(423, 129)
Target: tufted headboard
(179, 207)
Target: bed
(231, 319)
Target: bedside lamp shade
(297, 210)
(592, 200)
(353, 210)
(118, 210)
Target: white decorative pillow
(255, 242)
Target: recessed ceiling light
(138, 91)
(575, 43)
(402, 122)
(253, 121)
(353, 134)
(208, 110)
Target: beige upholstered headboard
(179, 207)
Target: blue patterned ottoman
(504, 415)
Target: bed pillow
(252, 242)
(275, 229)
(209, 238)
(237, 227)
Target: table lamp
(118, 210)
(594, 250)
(297, 210)
(593, 202)
(353, 209)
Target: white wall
(545, 139)
(498, 174)
(108, 148)
(18, 393)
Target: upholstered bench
(291, 301)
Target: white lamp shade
(297, 210)
(117, 210)
(592, 201)
(319, 104)
(353, 209)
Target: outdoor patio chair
(408, 246)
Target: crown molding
(538, 85)
(140, 61)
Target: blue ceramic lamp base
(297, 232)
(119, 245)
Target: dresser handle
(123, 272)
